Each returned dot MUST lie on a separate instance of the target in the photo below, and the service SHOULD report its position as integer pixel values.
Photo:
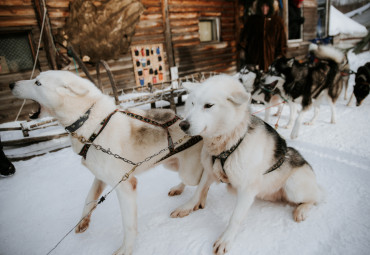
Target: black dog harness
(192, 141)
(223, 156)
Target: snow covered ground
(44, 200)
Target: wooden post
(72, 53)
(47, 35)
(237, 33)
(167, 33)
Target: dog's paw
(308, 123)
(300, 213)
(84, 224)
(123, 251)
(180, 213)
(221, 246)
(176, 190)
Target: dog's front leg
(90, 203)
(245, 198)
(292, 115)
(199, 198)
(267, 112)
(126, 193)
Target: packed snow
(44, 200)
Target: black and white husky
(362, 84)
(251, 78)
(308, 84)
(242, 150)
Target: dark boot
(6, 167)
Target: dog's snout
(12, 85)
(184, 125)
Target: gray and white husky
(245, 152)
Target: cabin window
(15, 53)
(209, 29)
(322, 20)
(295, 19)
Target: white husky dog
(83, 109)
(245, 152)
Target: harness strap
(225, 154)
(165, 125)
(78, 123)
(192, 141)
(276, 165)
(104, 123)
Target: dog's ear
(290, 62)
(75, 88)
(239, 98)
(190, 86)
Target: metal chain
(83, 140)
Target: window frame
(28, 32)
(216, 28)
(286, 22)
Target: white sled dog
(83, 109)
(245, 152)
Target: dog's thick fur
(66, 97)
(307, 85)
(218, 111)
(362, 83)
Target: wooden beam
(47, 34)
(167, 33)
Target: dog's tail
(327, 52)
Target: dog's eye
(37, 83)
(207, 106)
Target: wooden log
(31, 140)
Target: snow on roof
(341, 24)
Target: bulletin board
(148, 64)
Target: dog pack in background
(362, 83)
(307, 84)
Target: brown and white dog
(70, 98)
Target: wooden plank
(6, 22)
(167, 33)
(47, 35)
(31, 140)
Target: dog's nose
(12, 85)
(184, 125)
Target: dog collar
(225, 154)
(78, 123)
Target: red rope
(268, 108)
(277, 122)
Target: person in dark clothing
(295, 19)
(264, 36)
(6, 167)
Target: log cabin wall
(19, 16)
(173, 23)
(190, 54)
